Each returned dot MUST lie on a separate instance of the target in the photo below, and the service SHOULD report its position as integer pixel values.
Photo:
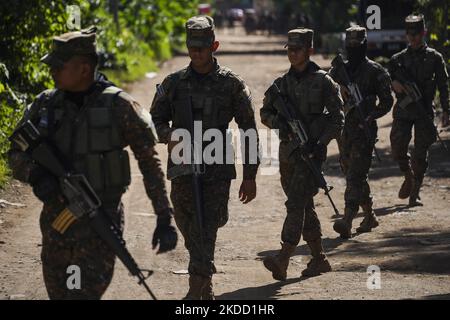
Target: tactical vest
(209, 102)
(89, 141)
(365, 77)
(307, 96)
(421, 66)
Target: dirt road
(411, 246)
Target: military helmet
(300, 38)
(355, 36)
(200, 31)
(69, 44)
(414, 24)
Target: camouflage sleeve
(383, 90)
(136, 129)
(244, 115)
(20, 162)
(333, 103)
(333, 73)
(268, 111)
(442, 82)
(393, 65)
(161, 111)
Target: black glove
(319, 151)
(305, 149)
(164, 234)
(280, 123)
(45, 185)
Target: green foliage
(437, 20)
(145, 31)
(325, 16)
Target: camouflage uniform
(428, 69)
(91, 133)
(354, 147)
(318, 104)
(216, 98)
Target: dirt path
(411, 246)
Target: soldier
(354, 146)
(317, 102)
(211, 95)
(426, 67)
(90, 123)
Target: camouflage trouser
(424, 137)
(81, 247)
(215, 203)
(355, 159)
(299, 187)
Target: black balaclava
(356, 55)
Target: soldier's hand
(165, 235)
(45, 185)
(398, 87)
(280, 123)
(445, 119)
(247, 191)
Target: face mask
(356, 55)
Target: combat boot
(370, 220)
(196, 285)
(208, 293)
(278, 265)
(319, 263)
(405, 189)
(344, 226)
(414, 198)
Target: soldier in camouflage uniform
(213, 95)
(90, 122)
(317, 102)
(426, 67)
(354, 147)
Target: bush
(145, 31)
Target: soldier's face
(298, 56)
(71, 76)
(415, 40)
(202, 56)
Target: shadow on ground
(410, 250)
(266, 292)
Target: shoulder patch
(225, 71)
(160, 91)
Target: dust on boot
(208, 293)
(319, 263)
(196, 285)
(407, 185)
(414, 198)
(344, 226)
(278, 264)
(370, 220)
